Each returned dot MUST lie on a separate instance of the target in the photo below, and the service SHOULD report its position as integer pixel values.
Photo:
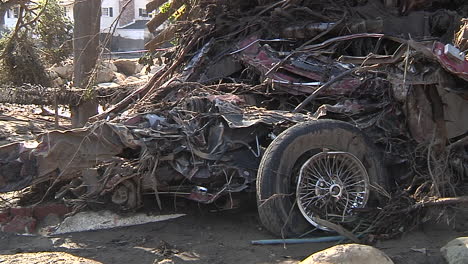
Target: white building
(129, 32)
(11, 16)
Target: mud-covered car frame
(349, 144)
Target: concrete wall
(125, 44)
(130, 39)
(130, 33)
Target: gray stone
(52, 75)
(456, 251)
(131, 79)
(120, 78)
(348, 254)
(128, 66)
(108, 85)
(57, 82)
(109, 65)
(105, 75)
(64, 72)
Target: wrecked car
(319, 133)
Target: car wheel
(324, 169)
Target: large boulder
(348, 254)
(128, 66)
(63, 71)
(109, 65)
(456, 251)
(106, 72)
(105, 75)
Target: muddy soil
(25, 122)
(201, 237)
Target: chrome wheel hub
(330, 186)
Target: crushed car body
(379, 106)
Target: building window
(142, 12)
(107, 12)
(15, 12)
(8, 13)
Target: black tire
(275, 191)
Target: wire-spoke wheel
(320, 169)
(330, 186)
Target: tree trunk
(87, 16)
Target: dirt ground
(202, 236)
(23, 123)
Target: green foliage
(178, 13)
(147, 59)
(54, 31)
(41, 41)
(165, 7)
(22, 63)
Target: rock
(165, 261)
(57, 82)
(348, 254)
(139, 67)
(52, 75)
(64, 72)
(105, 75)
(456, 251)
(119, 78)
(128, 66)
(109, 65)
(132, 79)
(109, 85)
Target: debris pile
(244, 72)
